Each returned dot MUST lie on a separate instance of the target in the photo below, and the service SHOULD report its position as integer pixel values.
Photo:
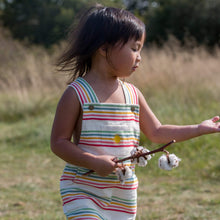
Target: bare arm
(159, 133)
(67, 114)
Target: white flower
(174, 160)
(167, 162)
(141, 161)
(128, 172)
(123, 173)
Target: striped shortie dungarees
(110, 129)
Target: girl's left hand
(210, 126)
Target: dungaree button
(117, 138)
(91, 107)
(132, 108)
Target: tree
(199, 19)
(43, 21)
(46, 21)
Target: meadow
(181, 85)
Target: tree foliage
(198, 19)
(46, 21)
(43, 21)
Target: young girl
(104, 115)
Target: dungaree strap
(84, 91)
(130, 92)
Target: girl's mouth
(135, 67)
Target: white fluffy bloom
(141, 161)
(123, 173)
(128, 172)
(167, 162)
(174, 160)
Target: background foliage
(43, 21)
(46, 21)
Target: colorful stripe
(130, 92)
(84, 214)
(75, 174)
(107, 138)
(112, 113)
(110, 199)
(84, 91)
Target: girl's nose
(139, 57)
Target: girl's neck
(101, 71)
(107, 88)
(100, 77)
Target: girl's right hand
(104, 165)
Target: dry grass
(171, 69)
(26, 70)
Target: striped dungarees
(110, 129)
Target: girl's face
(124, 60)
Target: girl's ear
(103, 50)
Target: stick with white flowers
(140, 153)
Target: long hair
(98, 26)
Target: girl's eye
(134, 49)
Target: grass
(180, 86)
(172, 198)
(27, 165)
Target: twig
(137, 155)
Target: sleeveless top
(110, 129)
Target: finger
(115, 159)
(217, 125)
(118, 165)
(215, 119)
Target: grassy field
(180, 85)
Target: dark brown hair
(98, 26)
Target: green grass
(29, 171)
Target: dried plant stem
(137, 155)
(145, 154)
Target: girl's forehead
(138, 41)
(131, 41)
